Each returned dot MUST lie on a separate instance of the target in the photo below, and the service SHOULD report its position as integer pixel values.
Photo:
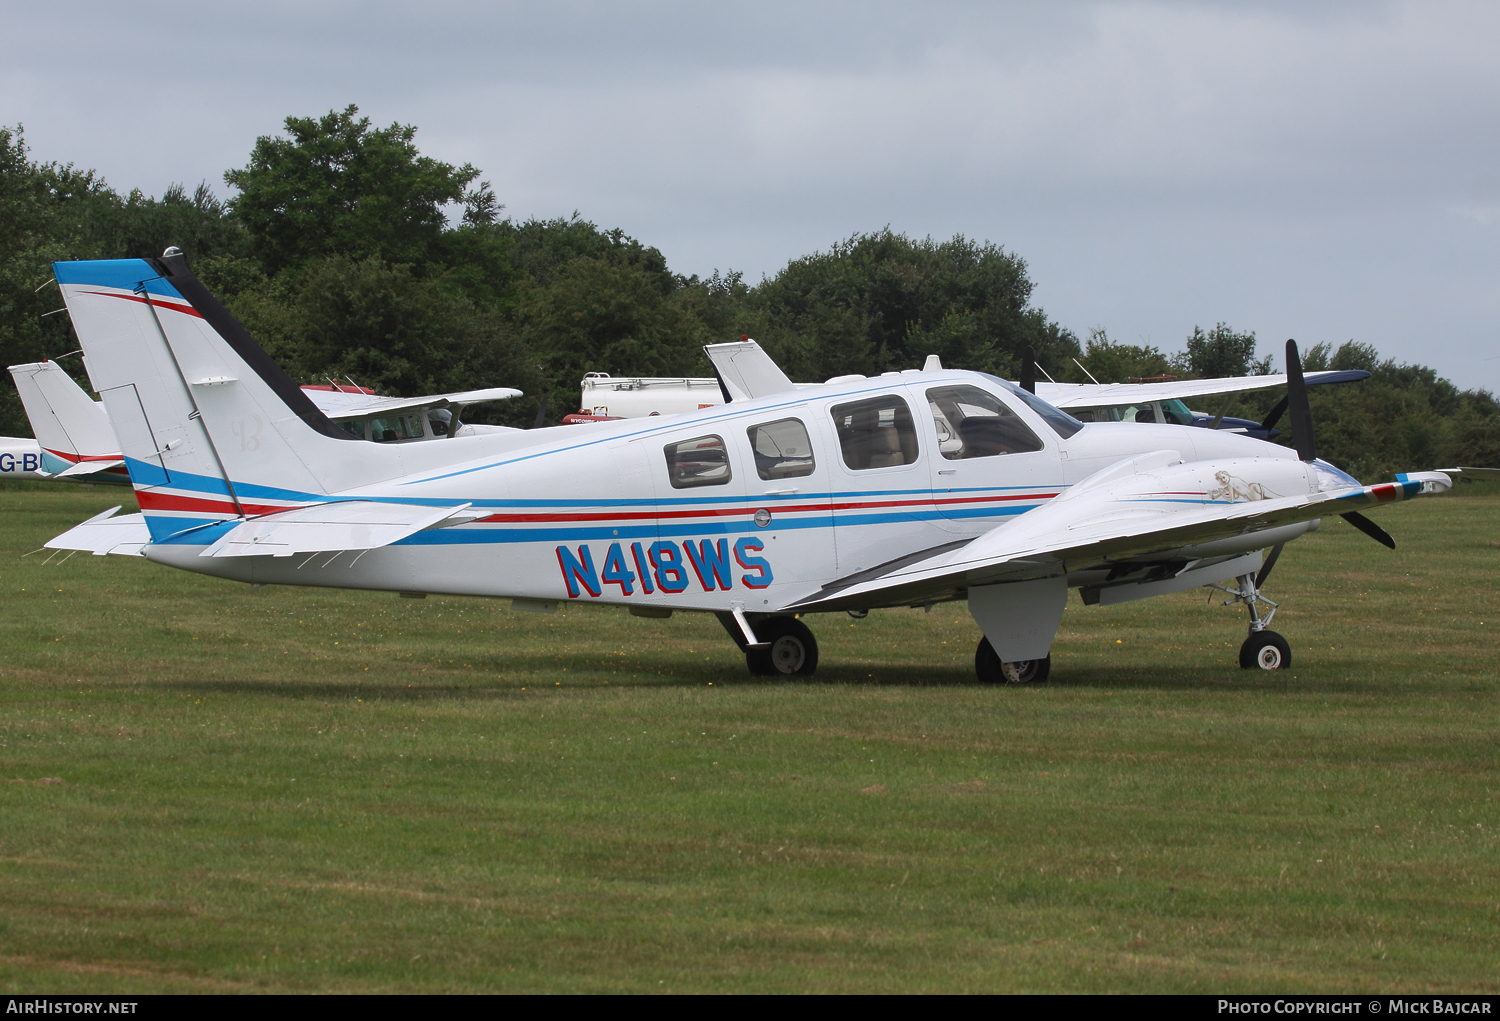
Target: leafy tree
(883, 301)
(1113, 362)
(1222, 352)
(384, 327)
(339, 186)
(608, 316)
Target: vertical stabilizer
(69, 424)
(746, 371)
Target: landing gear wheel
(790, 650)
(1266, 650)
(990, 670)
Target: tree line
(351, 256)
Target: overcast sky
(1319, 171)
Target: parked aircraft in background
(896, 491)
(75, 440)
(20, 458)
(603, 395)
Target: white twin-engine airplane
(894, 491)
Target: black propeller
(1265, 569)
(1028, 371)
(1301, 411)
(1275, 416)
(1302, 433)
(1370, 528)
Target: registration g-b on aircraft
(886, 492)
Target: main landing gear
(787, 647)
(1264, 649)
(990, 670)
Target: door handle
(948, 471)
(780, 492)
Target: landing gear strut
(787, 647)
(990, 670)
(1264, 648)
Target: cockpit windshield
(1062, 423)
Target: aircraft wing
(1150, 509)
(104, 533)
(1090, 395)
(1473, 474)
(341, 406)
(330, 527)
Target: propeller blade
(1265, 569)
(1370, 528)
(1028, 371)
(1301, 411)
(1275, 415)
(541, 412)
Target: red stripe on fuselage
(811, 508)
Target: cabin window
(782, 449)
(973, 423)
(876, 433)
(701, 461)
(400, 427)
(355, 429)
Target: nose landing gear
(1264, 649)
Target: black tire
(989, 669)
(790, 649)
(1266, 650)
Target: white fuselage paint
(581, 513)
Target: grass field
(214, 788)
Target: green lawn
(209, 787)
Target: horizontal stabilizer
(83, 468)
(327, 527)
(104, 533)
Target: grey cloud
(1324, 173)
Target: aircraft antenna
(1086, 372)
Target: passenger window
(388, 430)
(876, 433)
(782, 449)
(355, 429)
(698, 462)
(973, 423)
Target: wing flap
(326, 527)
